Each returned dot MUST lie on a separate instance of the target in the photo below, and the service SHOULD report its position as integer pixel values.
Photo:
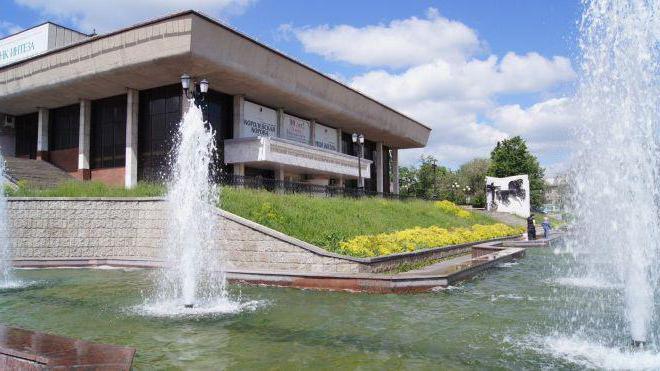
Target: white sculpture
(508, 195)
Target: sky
(475, 71)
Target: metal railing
(274, 185)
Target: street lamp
(358, 139)
(198, 94)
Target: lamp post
(198, 94)
(358, 139)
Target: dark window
(370, 154)
(64, 127)
(347, 145)
(26, 135)
(386, 169)
(220, 115)
(108, 132)
(160, 114)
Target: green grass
(87, 189)
(327, 221)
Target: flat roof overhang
(156, 53)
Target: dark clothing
(531, 228)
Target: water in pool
(503, 319)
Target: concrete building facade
(104, 107)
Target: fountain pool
(506, 319)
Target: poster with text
(325, 137)
(296, 129)
(258, 121)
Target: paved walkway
(505, 218)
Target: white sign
(325, 137)
(296, 129)
(258, 121)
(24, 45)
(508, 195)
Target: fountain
(6, 277)
(615, 180)
(192, 280)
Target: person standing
(546, 227)
(531, 228)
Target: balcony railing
(295, 155)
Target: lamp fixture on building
(198, 94)
(358, 140)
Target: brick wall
(65, 159)
(110, 176)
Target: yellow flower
(451, 208)
(422, 238)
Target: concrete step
(37, 173)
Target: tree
(472, 175)
(511, 157)
(423, 181)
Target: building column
(84, 172)
(312, 133)
(132, 111)
(42, 134)
(394, 179)
(239, 115)
(339, 141)
(340, 181)
(379, 167)
(239, 169)
(280, 121)
(279, 174)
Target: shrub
(479, 201)
(422, 238)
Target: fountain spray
(194, 275)
(615, 182)
(6, 276)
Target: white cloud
(429, 69)
(8, 28)
(107, 15)
(400, 43)
(547, 121)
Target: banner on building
(24, 45)
(325, 137)
(296, 129)
(258, 121)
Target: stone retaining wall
(47, 229)
(133, 231)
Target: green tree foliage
(511, 157)
(473, 174)
(433, 181)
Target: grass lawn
(327, 221)
(87, 189)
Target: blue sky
(451, 60)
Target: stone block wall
(134, 231)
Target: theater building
(104, 107)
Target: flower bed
(451, 208)
(422, 238)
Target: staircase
(37, 173)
